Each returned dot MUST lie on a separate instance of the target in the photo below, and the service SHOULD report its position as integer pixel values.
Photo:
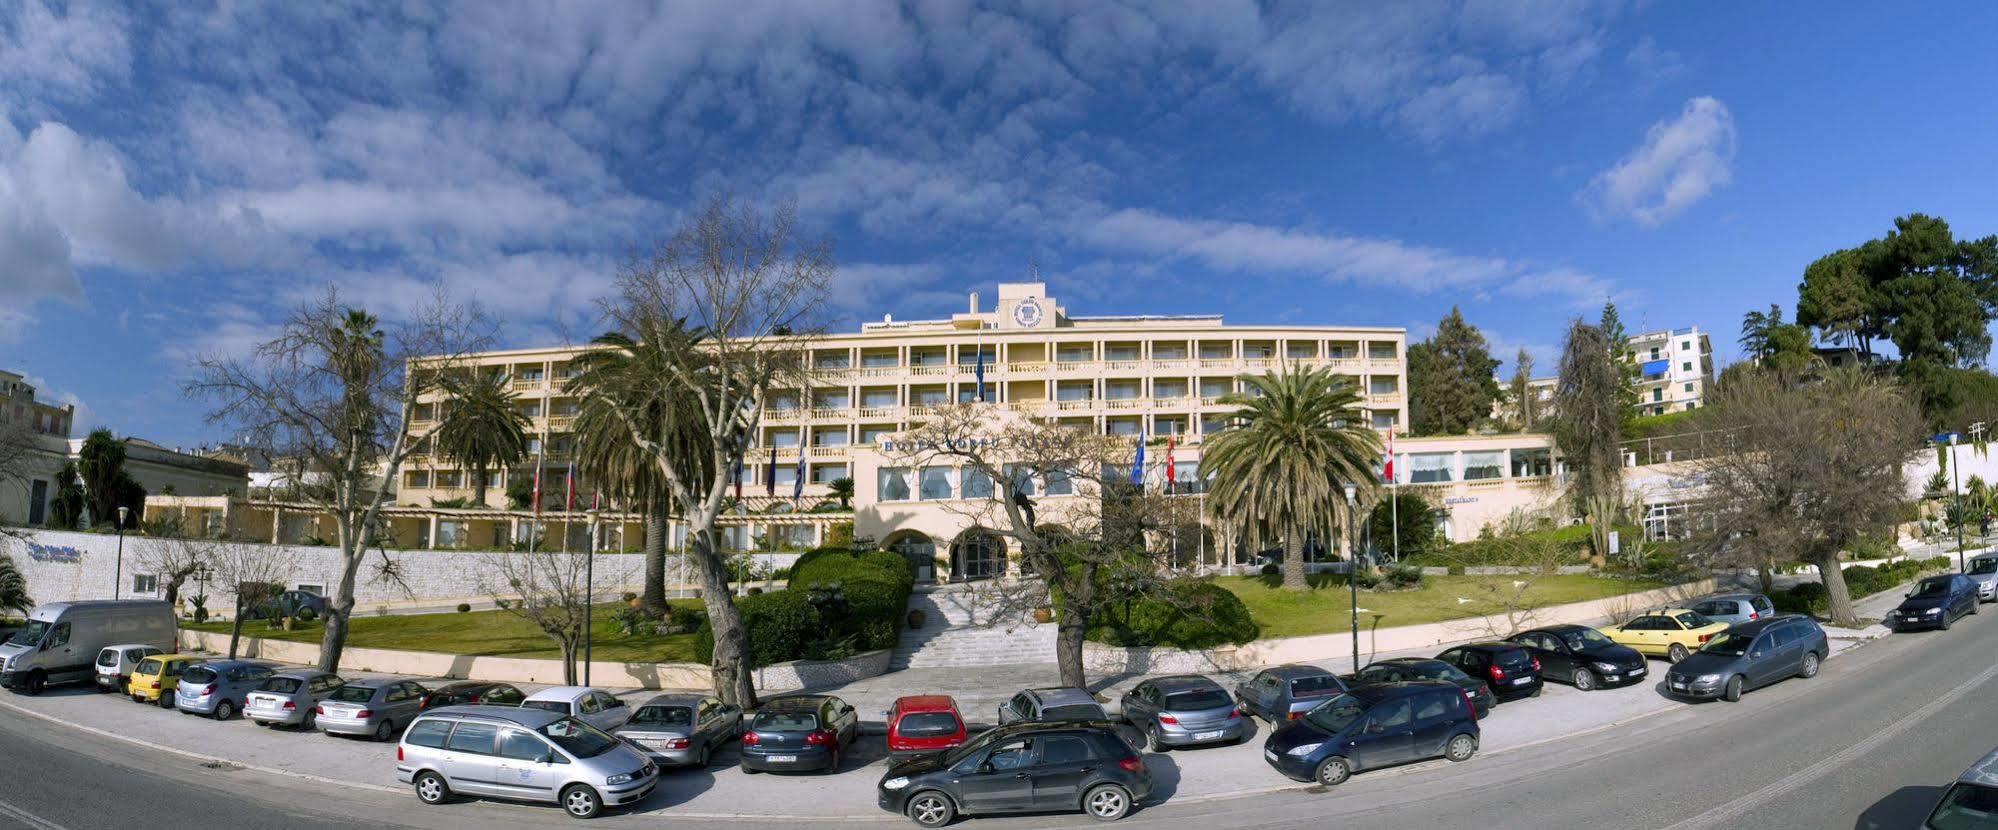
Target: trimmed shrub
(1190, 614)
(864, 596)
(1802, 598)
(1272, 569)
(1404, 576)
(463, 607)
(780, 624)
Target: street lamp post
(589, 594)
(1353, 573)
(118, 578)
(1956, 499)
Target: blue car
(1372, 726)
(1935, 602)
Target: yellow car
(1671, 633)
(155, 678)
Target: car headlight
(1707, 678)
(1302, 750)
(1606, 667)
(895, 783)
(620, 778)
(1933, 611)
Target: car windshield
(30, 634)
(1728, 644)
(1984, 566)
(1584, 638)
(971, 747)
(663, 716)
(1966, 807)
(354, 694)
(1319, 686)
(1336, 714)
(578, 738)
(1073, 711)
(1203, 699)
(1930, 589)
(785, 722)
(556, 706)
(281, 685)
(148, 666)
(928, 724)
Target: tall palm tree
(1280, 471)
(613, 398)
(482, 429)
(13, 587)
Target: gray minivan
(523, 755)
(61, 640)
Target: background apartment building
(1674, 368)
(37, 433)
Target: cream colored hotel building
(1146, 375)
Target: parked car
(1735, 608)
(115, 665)
(1671, 633)
(1404, 669)
(682, 730)
(1184, 710)
(291, 698)
(156, 677)
(521, 754)
(1581, 656)
(924, 723)
(1374, 726)
(1983, 570)
(287, 604)
(1935, 602)
(799, 733)
(1971, 802)
(473, 693)
(1749, 656)
(595, 707)
(1055, 704)
(61, 639)
(1508, 667)
(218, 688)
(1024, 767)
(375, 708)
(1285, 693)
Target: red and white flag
(537, 491)
(1387, 472)
(1169, 469)
(569, 485)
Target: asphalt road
(1866, 745)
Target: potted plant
(1043, 615)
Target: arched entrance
(919, 550)
(978, 554)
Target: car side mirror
(1375, 729)
(546, 758)
(1755, 654)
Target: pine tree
(1450, 382)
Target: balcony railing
(1171, 363)
(1125, 403)
(931, 370)
(1075, 406)
(829, 452)
(831, 413)
(880, 371)
(880, 412)
(1036, 367)
(1074, 365)
(530, 383)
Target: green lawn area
(484, 633)
(1324, 608)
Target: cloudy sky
(173, 176)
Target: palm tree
(482, 429)
(842, 489)
(1297, 439)
(605, 451)
(13, 587)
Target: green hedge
(1191, 614)
(1860, 582)
(866, 594)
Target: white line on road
(1727, 815)
(27, 818)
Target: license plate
(1206, 736)
(1637, 672)
(1521, 681)
(659, 743)
(267, 704)
(783, 759)
(1270, 754)
(1678, 687)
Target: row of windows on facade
(1116, 389)
(38, 419)
(942, 482)
(889, 358)
(552, 477)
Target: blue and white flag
(981, 374)
(1138, 466)
(798, 486)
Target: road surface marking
(28, 818)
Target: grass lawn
(483, 633)
(1324, 609)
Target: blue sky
(173, 177)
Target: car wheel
(137, 699)
(1460, 748)
(225, 710)
(430, 789)
(580, 801)
(930, 808)
(36, 683)
(1153, 741)
(701, 760)
(166, 700)
(1585, 680)
(1676, 653)
(1973, 606)
(1732, 693)
(1333, 771)
(1945, 621)
(261, 722)
(832, 764)
(1810, 664)
(310, 722)
(1107, 802)
(1536, 690)
(384, 730)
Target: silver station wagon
(521, 755)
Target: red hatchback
(924, 723)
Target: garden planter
(1043, 615)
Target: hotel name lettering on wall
(966, 445)
(53, 553)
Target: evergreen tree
(1623, 359)
(1451, 386)
(1522, 391)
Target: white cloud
(1652, 65)
(68, 50)
(1681, 161)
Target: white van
(61, 640)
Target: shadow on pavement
(1165, 777)
(1904, 807)
(677, 786)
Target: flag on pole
(798, 481)
(1138, 465)
(1387, 472)
(770, 479)
(569, 486)
(738, 478)
(981, 374)
(1169, 468)
(537, 489)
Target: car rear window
(556, 706)
(351, 693)
(663, 716)
(430, 733)
(1203, 699)
(1966, 806)
(1073, 711)
(148, 666)
(107, 657)
(785, 721)
(198, 674)
(1315, 686)
(928, 725)
(1513, 658)
(281, 685)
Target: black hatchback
(1026, 767)
(1935, 602)
(799, 732)
(1581, 656)
(1507, 667)
(1400, 669)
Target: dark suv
(1508, 668)
(800, 732)
(1373, 726)
(1020, 768)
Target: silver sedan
(376, 708)
(290, 698)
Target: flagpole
(1394, 503)
(534, 523)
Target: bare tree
(748, 293)
(336, 390)
(253, 575)
(175, 559)
(545, 588)
(22, 454)
(1813, 468)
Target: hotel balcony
(829, 452)
(530, 384)
(832, 413)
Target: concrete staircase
(968, 625)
